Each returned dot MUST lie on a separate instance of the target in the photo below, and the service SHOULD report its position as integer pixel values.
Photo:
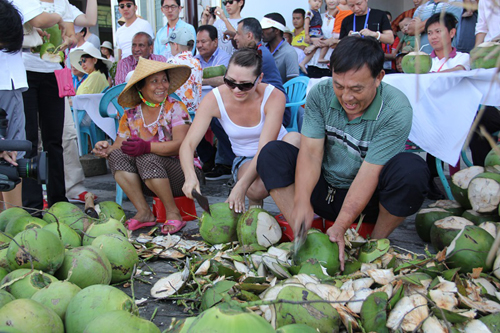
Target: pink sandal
(133, 224)
(176, 223)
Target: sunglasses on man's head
(128, 5)
(241, 86)
(229, 2)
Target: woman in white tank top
(251, 113)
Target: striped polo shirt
(377, 136)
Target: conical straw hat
(177, 75)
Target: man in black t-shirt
(367, 22)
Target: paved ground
(216, 191)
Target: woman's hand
(236, 199)
(101, 149)
(190, 184)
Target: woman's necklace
(148, 103)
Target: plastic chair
(91, 131)
(296, 90)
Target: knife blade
(299, 240)
(202, 201)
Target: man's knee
(407, 169)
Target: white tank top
(245, 140)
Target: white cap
(267, 23)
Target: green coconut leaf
(415, 278)
(214, 295)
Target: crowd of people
(348, 158)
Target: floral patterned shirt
(190, 91)
(172, 113)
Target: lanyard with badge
(366, 21)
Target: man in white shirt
(488, 21)
(225, 26)
(440, 32)
(133, 25)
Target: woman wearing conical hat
(144, 157)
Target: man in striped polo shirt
(351, 159)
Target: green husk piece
(450, 274)
(396, 297)
(492, 321)
(352, 266)
(373, 250)
(373, 313)
(415, 278)
(214, 295)
(253, 287)
(248, 296)
(223, 270)
(254, 279)
(452, 317)
(252, 248)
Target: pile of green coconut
(56, 272)
(249, 282)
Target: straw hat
(177, 75)
(86, 49)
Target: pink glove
(136, 147)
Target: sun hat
(107, 45)
(267, 23)
(86, 49)
(177, 75)
(181, 36)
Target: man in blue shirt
(171, 9)
(209, 53)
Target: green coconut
(69, 237)
(444, 231)
(95, 230)
(93, 302)
(3, 272)
(5, 239)
(460, 184)
(10, 214)
(5, 297)
(296, 328)
(321, 316)
(484, 192)
(318, 246)
(3, 259)
(220, 226)
(110, 210)
(469, 250)
(120, 321)
(496, 266)
(416, 63)
(492, 322)
(491, 162)
(373, 313)
(257, 226)
(69, 214)
(214, 71)
(28, 284)
(425, 219)
(9, 329)
(225, 318)
(57, 296)
(313, 267)
(82, 260)
(24, 223)
(30, 316)
(485, 55)
(479, 218)
(55, 35)
(450, 205)
(121, 255)
(37, 247)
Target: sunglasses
(225, 3)
(241, 86)
(84, 60)
(128, 5)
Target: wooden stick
(89, 205)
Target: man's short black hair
(84, 31)
(178, 2)
(300, 11)
(278, 18)
(212, 31)
(251, 24)
(354, 52)
(11, 29)
(448, 20)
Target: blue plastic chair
(91, 131)
(296, 90)
(111, 96)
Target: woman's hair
(11, 29)
(140, 84)
(111, 52)
(249, 58)
(99, 66)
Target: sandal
(133, 224)
(178, 224)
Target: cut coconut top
(491, 227)
(463, 177)
(431, 210)
(268, 230)
(445, 204)
(484, 195)
(453, 222)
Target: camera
(35, 168)
(211, 10)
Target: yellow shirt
(95, 83)
(299, 40)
